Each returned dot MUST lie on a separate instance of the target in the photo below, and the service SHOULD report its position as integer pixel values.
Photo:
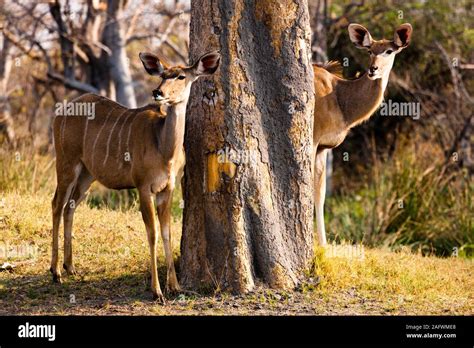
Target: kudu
(127, 148)
(342, 104)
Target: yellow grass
(397, 282)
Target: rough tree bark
(248, 189)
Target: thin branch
(162, 37)
(455, 76)
(73, 84)
(133, 21)
(176, 51)
(17, 42)
(68, 82)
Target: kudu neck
(171, 138)
(360, 98)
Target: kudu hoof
(173, 290)
(69, 270)
(159, 298)
(56, 277)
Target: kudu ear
(151, 63)
(360, 36)
(207, 64)
(402, 35)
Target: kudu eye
(181, 77)
(389, 52)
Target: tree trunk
(67, 47)
(118, 64)
(318, 11)
(248, 216)
(6, 121)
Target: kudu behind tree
(343, 104)
(127, 148)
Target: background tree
(248, 197)
(6, 121)
(319, 14)
(88, 46)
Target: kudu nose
(373, 69)
(157, 93)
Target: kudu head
(175, 82)
(382, 52)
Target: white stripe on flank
(120, 138)
(128, 136)
(61, 136)
(110, 137)
(97, 137)
(101, 98)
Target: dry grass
(111, 255)
(396, 282)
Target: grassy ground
(111, 256)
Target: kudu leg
(164, 200)
(148, 213)
(67, 177)
(83, 183)
(320, 194)
(55, 247)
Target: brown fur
(333, 66)
(141, 123)
(119, 148)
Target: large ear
(207, 64)
(360, 36)
(403, 35)
(151, 63)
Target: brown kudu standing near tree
(342, 104)
(127, 148)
